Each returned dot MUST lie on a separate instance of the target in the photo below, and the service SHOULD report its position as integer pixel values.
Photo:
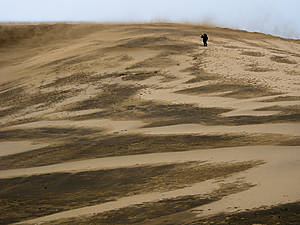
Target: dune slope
(141, 124)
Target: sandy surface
(94, 98)
(15, 147)
(212, 155)
(276, 165)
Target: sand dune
(141, 124)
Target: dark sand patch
(167, 77)
(76, 78)
(283, 99)
(140, 75)
(285, 110)
(239, 91)
(293, 142)
(254, 54)
(82, 145)
(157, 115)
(282, 59)
(119, 58)
(154, 113)
(45, 133)
(256, 68)
(66, 60)
(10, 96)
(17, 121)
(18, 99)
(73, 64)
(137, 75)
(52, 193)
(288, 214)
(49, 98)
(278, 118)
(287, 113)
(162, 211)
(15, 84)
(169, 211)
(199, 75)
(176, 113)
(285, 52)
(159, 61)
(96, 78)
(293, 72)
(110, 96)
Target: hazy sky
(279, 17)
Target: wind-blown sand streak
(292, 129)
(15, 147)
(265, 177)
(211, 155)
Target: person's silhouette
(205, 39)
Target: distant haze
(277, 17)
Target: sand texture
(141, 124)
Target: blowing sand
(177, 133)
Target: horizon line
(208, 24)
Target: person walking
(205, 39)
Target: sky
(277, 17)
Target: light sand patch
(112, 126)
(66, 114)
(277, 183)
(221, 61)
(292, 129)
(15, 147)
(249, 108)
(211, 155)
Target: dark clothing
(205, 39)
